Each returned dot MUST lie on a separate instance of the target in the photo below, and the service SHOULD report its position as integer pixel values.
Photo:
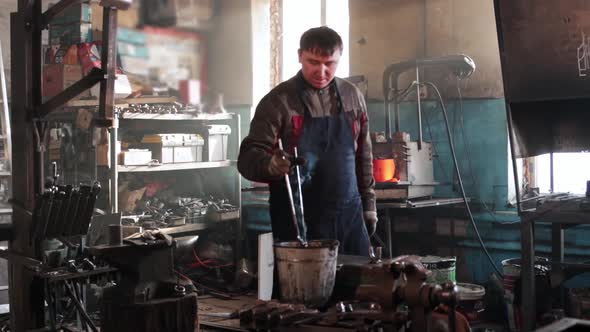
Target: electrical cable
(464, 196)
(405, 94)
(434, 150)
(467, 150)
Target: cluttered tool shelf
(176, 167)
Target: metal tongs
(301, 234)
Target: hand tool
(291, 202)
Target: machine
(412, 158)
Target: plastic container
(442, 268)
(306, 274)
(471, 301)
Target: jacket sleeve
(257, 148)
(364, 160)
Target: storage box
(102, 155)
(135, 157)
(175, 148)
(132, 36)
(57, 77)
(218, 216)
(176, 55)
(132, 50)
(217, 136)
(69, 34)
(190, 91)
(193, 14)
(128, 18)
(76, 13)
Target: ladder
(5, 146)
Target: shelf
(5, 173)
(5, 208)
(122, 101)
(184, 117)
(176, 167)
(571, 210)
(191, 229)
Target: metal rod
(79, 306)
(291, 201)
(113, 165)
(303, 225)
(551, 175)
(419, 108)
(108, 59)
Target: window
(570, 172)
(300, 15)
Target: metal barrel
(306, 274)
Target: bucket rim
(323, 244)
(468, 291)
(517, 261)
(432, 259)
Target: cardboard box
(76, 13)
(102, 155)
(132, 36)
(128, 18)
(135, 157)
(69, 34)
(128, 198)
(194, 14)
(132, 50)
(57, 77)
(176, 55)
(125, 18)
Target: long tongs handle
(303, 225)
(291, 201)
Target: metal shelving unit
(176, 167)
(165, 120)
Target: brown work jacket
(279, 115)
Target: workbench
(392, 208)
(219, 313)
(561, 212)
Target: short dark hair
(321, 40)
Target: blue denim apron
(332, 203)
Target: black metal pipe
(96, 75)
(108, 60)
(460, 64)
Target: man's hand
(279, 165)
(370, 221)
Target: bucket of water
(306, 274)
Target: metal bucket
(511, 269)
(306, 274)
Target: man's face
(318, 70)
